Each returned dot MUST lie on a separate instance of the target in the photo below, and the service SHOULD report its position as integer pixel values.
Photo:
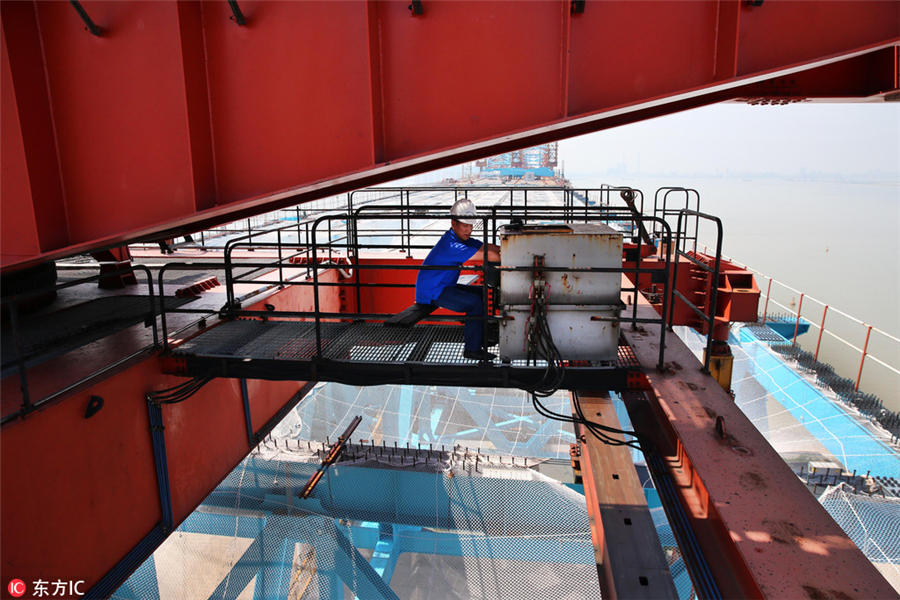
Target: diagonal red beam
(177, 118)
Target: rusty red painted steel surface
(763, 532)
(176, 118)
(737, 293)
(79, 494)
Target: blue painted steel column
(246, 396)
(140, 553)
(157, 431)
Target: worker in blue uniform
(439, 287)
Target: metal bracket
(94, 405)
(416, 8)
(578, 7)
(91, 26)
(237, 15)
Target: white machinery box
(575, 297)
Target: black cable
(180, 392)
(544, 346)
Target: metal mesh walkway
(369, 353)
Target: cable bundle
(180, 392)
(541, 346)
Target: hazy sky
(838, 138)
(842, 138)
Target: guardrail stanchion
(797, 325)
(863, 359)
(821, 331)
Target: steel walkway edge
(367, 353)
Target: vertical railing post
(766, 306)
(797, 325)
(298, 225)
(315, 273)
(402, 223)
(229, 280)
(408, 225)
(280, 262)
(863, 360)
(308, 244)
(821, 331)
(20, 354)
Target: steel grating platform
(366, 353)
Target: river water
(837, 243)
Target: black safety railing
(668, 202)
(25, 358)
(339, 240)
(706, 314)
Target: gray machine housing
(574, 297)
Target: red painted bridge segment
(177, 118)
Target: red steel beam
(177, 118)
(79, 494)
(762, 533)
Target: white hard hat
(462, 209)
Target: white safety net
(425, 505)
(873, 523)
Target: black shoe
(479, 355)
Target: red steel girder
(178, 118)
(762, 533)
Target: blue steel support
(396, 549)
(270, 557)
(251, 440)
(562, 550)
(427, 498)
(366, 582)
(540, 437)
(244, 526)
(404, 497)
(244, 570)
(485, 414)
(157, 432)
(140, 553)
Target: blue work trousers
(465, 299)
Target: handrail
(660, 205)
(827, 309)
(847, 388)
(710, 316)
(22, 358)
(350, 248)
